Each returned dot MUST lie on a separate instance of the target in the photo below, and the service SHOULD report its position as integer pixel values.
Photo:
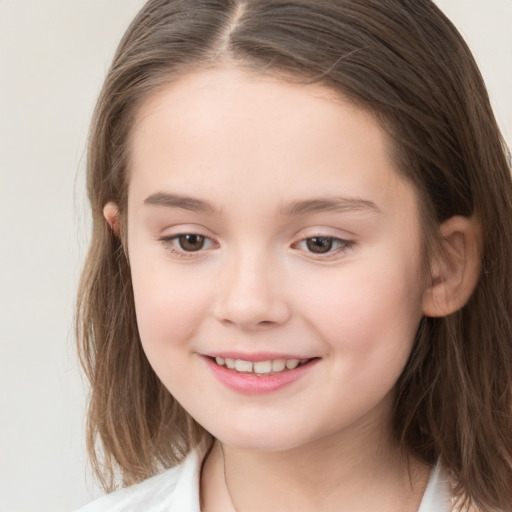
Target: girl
(298, 295)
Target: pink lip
(250, 384)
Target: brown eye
(319, 244)
(191, 242)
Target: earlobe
(455, 269)
(111, 214)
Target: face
(268, 230)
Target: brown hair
(406, 63)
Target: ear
(455, 269)
(111, 214)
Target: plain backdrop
(53, 57)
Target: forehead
(239, 132)
(205, 101)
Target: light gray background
(53, 56)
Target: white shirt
(177, 490)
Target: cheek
(168, 306)
(369, 311)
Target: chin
(264, 439)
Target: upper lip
(254, 357)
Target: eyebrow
(177, 201)
(335, 204)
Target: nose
(251, 295)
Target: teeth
(263, 367)
(259, 367)
(292, 363)
(278, 365)
(243, 366)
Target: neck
(367, 472)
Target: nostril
(249, 308)
(264, 324)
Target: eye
(184, 244)
(191, 242)
(324, 245)
(319, 244)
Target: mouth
(260, 368)
(264, 374)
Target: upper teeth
(259, 367)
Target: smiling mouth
(261, 367)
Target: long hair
(403, 61)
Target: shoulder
(176, 489)
(149, 493)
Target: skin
(251, 146)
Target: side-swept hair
(401, 60)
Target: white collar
(438, 496)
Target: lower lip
(250, 384)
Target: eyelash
(171, 242)
(342, 246)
